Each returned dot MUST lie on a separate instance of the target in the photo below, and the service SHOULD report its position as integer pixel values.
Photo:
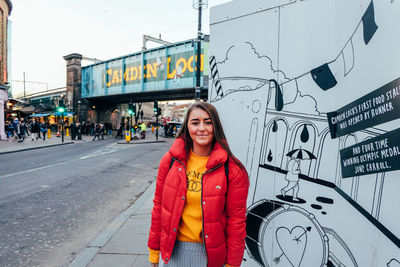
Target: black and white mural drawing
(309, 95)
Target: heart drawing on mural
(292, 243)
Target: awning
(28, 109)
(15, 100)
(40, 115)
(66, 114)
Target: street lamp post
(131, 126)
(131, 111)
(156, 111)
(62, 127)
(79, 109)
(199, 5)
(61, 109)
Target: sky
(43, 31)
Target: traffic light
(131, 109)
(61, 108)
(156, 109)
(155, 106)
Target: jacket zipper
(202, 210)
(184, 167)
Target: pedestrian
(96, 130)
(21, 130)
(73, 130)
(199, 212)
(92, 128)
(24, 129)
(79, 130)
(101, 131)
(38, 129)
(7, 129)
(123, 126)
(127, 125)
(35, 129)
(15, 124)
(88, 128)
(119, 131)
(83, 127)
(44, 128)
(18, 135)
(166, 127)
(108, 126)
(143, 130)
(11, 128)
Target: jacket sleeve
(238, 187)
(155, 228)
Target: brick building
(5, 10)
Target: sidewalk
(150, 138)
(12, 145)
(123, 242)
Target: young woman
(199, 213)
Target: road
(54, 201)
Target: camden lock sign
(154, 70)
(166, 68)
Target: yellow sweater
(190, 225)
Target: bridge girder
(164, 95)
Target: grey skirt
(187, 254)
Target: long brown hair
(219, 135)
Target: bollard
(127, 136)
(67, 132)
(48, 134)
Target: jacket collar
(218, 154)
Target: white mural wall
(309, 95)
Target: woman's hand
(154, 264)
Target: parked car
(174, 128)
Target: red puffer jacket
(224, 213)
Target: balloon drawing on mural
(274, 127)
(256, 106)
(305, 136)
(270, 157)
